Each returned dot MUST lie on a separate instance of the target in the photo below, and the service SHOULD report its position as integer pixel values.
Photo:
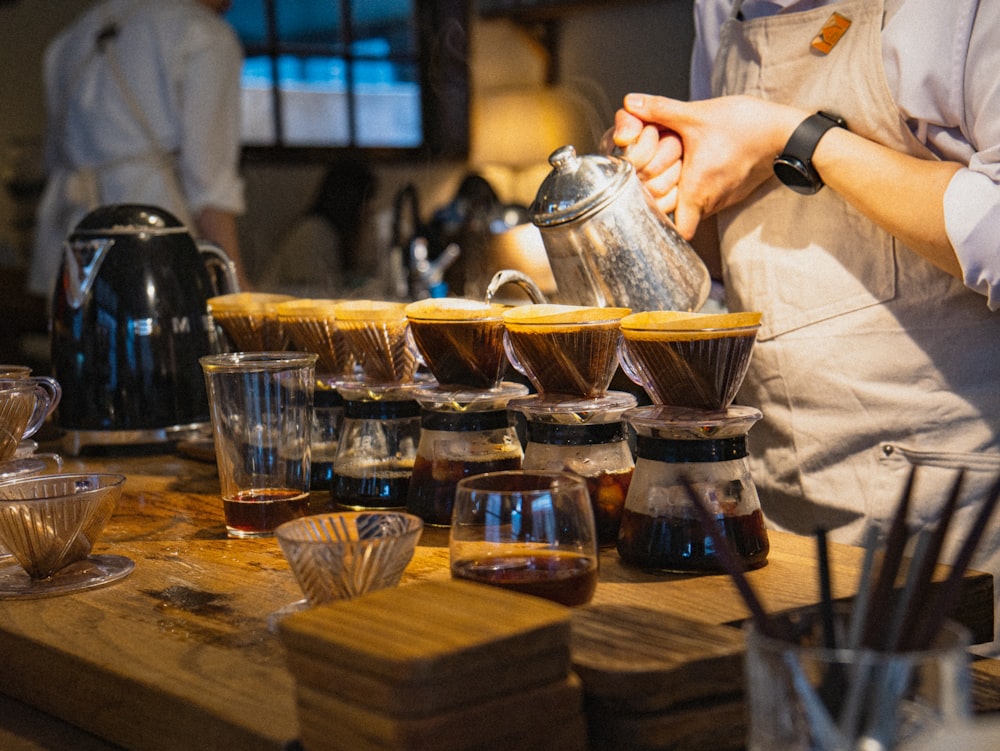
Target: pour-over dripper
(688, 359)
(376, 332)
(50, 524)
(250, 320)
(312, 327)
(564, 349)
(460, 340)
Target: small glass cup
(803, 695)
(261, 406)
(526, 531)
(339, 556)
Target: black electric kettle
(129, 322)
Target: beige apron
(870, 359)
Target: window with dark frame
(388, 77)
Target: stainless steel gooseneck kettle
(129, 322)
(608, 244)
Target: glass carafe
(660, 528)
(462, 433)
(589, 438)
(377, 447)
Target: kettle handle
(216, 260)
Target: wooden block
(643, 661)
(720, 726)
(518, 720)
(521, 671)
(435, 643)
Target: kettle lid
(129, 218)
(577, 186)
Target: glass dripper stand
(660, 528)
(588, 437)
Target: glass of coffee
(529, 531)
(261, 407)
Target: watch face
(796, 175)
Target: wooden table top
(179, 654)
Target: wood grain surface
(179, 654)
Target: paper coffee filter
(370, 310)
(541, 314)
(689, 360)
(460, 340)
(453, 309)
(250, 319)
(376, 333)
(679, 325)
(312, 326)
(247, 303)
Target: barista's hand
(699, 157)
(655, 154)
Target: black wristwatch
(794, 165)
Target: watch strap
(804, 139)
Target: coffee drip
(378, 439)
(311, 326)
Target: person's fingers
(627, 128)
(665, 160)
(669, 113)
(686, 218)
(642, 151)
(667, 203)
(664, 182)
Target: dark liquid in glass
(431, 494)
(565, 578)
(608, 491)
(679, 544)
(262, 510)
(386, 489)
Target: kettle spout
(513, 276)
(220, 268)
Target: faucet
(427, 277)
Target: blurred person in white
(879, 348)
(143, 105)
